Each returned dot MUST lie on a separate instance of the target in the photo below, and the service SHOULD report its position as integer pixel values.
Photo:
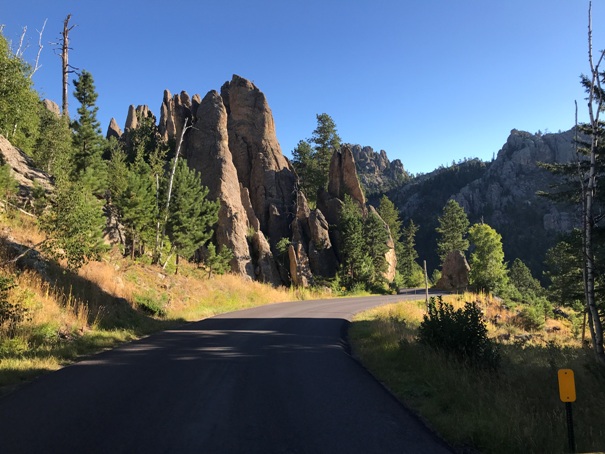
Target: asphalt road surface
(275, 379)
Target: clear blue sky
(429, 81)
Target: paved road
(275, 379)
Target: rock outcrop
(233, 144)
(376, 173)
(52, 106)
(389, 256)
(261, 166)
(454, 273)
(173, 113)
(343, 178)
(23, 169)
(208, 152)
(113, 130)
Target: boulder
(265, 270)
(454, 273)
(208, 153)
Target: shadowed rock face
(261, 166)
(173, 113)
(208, 152)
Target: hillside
(502, 193)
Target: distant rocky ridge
(502, 193)
(234, 146)
(376, 173)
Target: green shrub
(460, 332)
(152, 305)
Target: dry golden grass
(515, 409)
(104, 304)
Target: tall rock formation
(173, 113)
(261, 166)
(208, 152)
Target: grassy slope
(102, 305)
(516, 409)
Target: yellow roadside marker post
(567, 394)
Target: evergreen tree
(217, 262)
(311, 158)
(453, 228)
(564, 270)
(136, 204)
(88, 142)
(488, 270)
(18, 100)
(306, 168)
(376, 236)
(410, 271)
(356, 264)
(192, 216)
(390, 215)
(522, 279)
(53, 150)
(73, 225)
(326, 141)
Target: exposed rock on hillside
(376, 173)
(502, 193)
(234, 146)
(23, 169)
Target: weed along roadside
(511, 407)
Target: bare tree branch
(20, 49)
(37, 65)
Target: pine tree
(73, 225)
(488, 270)
(356, 264)
(376, 236)
(53, 151)
(311, 158)
(410, 271)
(192, 216)
(136, 205)
(453, 228)
(87, 139)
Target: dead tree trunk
(65, 62)
(595, 105)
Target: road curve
(274, 379)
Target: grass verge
(513, 410)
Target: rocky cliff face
(376, 173)
(503, 193)
(234, 146)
